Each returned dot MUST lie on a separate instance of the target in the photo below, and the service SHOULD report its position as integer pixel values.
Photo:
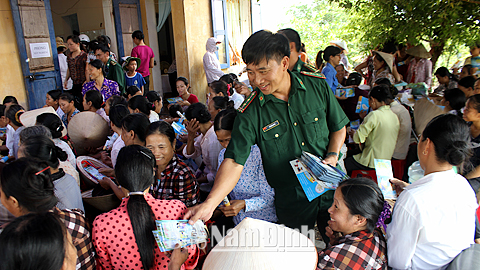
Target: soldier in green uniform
(113, 69)
(295, 63)
(288, 112)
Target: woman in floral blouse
(98, 81)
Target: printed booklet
(172, 232)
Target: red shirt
(115, 243)
(192, 99)
(145, 53)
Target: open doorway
(166, 46)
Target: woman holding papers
(377, 134)
(123, 237)
(434, 218)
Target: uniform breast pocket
(315, 126)
(275, 138)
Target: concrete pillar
(192, 26)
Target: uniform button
(288, 104)
(303, 143)
(276, 135)
(295, 123)
(316, 119)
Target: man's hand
(234, 208)
(398, 185)
(332, 160)
(331, 234)
(106, 183)
(203, 211)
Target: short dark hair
(34, 192)
(225, 119)
(220, 87)
(265, 45)
(363, 197)
(381, 93)
(98, 64)
(153, 96)
(135, 172)
(138, 35)
(354, 78)
(66, 96)
(13, 114)
(138, 122)
(2, 110)
(52, 122)
(104, 39)
(331, 51)
(198, 111)
(29, 132)
(8, 99)
(74, 38)
(95, 97)
(292, 36)
(43, 148)
(456, 98)
(116, 100)
(117, 113)
(54, 94)
(444, 72)
(142, 104)
(467, 82)
(172, 111)
(451, 138)
(104, 48)
(132, 90)
(34, 241)
(162, 128)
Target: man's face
(268, 75)
(102, 56)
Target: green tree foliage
(444, 24)
(323, 22)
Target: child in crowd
(7, 101)
(93, 102)
(133, 91)
(132, 77)
(155, 98)
(66, 101)
(139, 104)
(52, 101)
(454, 101)
(252, 196)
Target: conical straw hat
(259, 245)
(29, 118)
(388, 59)
(87, 129)
(419, 51)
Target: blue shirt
(254, 189)
(331, 76)
(136, 80)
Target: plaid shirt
(359, 250)
(178, 182)
(76, 66)
(77, 227)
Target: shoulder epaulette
(310, 67)
(247, 102)
(312, 74)
(113, 62)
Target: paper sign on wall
(40, 50)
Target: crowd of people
(237, 148)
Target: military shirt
(282, 129)
(302, 66)
(115, 73)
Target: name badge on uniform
(270, 126)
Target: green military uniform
(282, 130)
(302, 66)
(115, 73)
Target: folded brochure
(315, 177)
(172, 232)
(383, 169)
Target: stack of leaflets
(315, 177)
(345, 92)
(383, 169)
(179, 127)
(362, 104)
(174, 100)
(172, 232)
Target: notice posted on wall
(40, 50)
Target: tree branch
(471, 1)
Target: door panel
(35, 36)
(127, 19)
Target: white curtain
(164, 9)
